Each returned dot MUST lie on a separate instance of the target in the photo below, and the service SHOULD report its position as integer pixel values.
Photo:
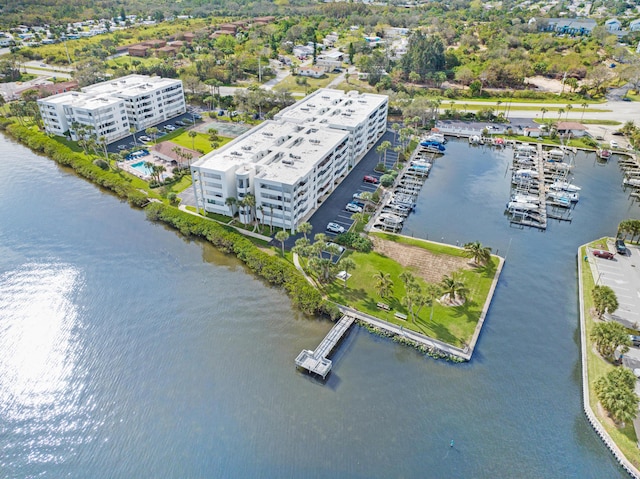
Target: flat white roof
(130, 85)
(335, 106)
(76, 99)
(280, 151)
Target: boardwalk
(316, 361)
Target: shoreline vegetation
(276, 270)
(595, 367)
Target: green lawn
(289, 83)
(577, 142)
(454, 325)
(460, 105)
(585, 122)
(200, 142)
(597, 367)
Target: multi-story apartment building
(363, 116)
(149, 100)
(109, 109)
(104, 116)
(291, 164)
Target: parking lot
(333, 208)
(622, 275)
(128, 142)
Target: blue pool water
(141, 167)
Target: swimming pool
(142, 168)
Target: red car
(371, 179)
(600, 253)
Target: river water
(129, 351)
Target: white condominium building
(291, 164)
(363, 116)
(103, 115)
(149, 100)
(109, 109)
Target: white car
(338, 247)
(169, 127)
(353, 208)
(144, 139)
(614, 144)
(335, 228)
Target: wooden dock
(316, 361)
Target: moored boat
(564, 186)
(603, 153)
(563, 195)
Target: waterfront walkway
(316, 361)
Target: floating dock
(316, 362)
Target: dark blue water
(128, 351)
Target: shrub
(100, 163)
(355, 241)
(386, 180)
(380, 167)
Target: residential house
(634, 26)
(572, 128)
(613, 25)
(311, 71)
(138, 50)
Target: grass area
(184, 183)
(597, 367)
(452, 324)
(289, 83)
(200, 142)
(355, 84)
(500, 109)
(584, 122)
(561, 103)
(72, 145)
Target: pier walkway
(316, 361)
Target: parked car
(187, 121)
(371, 179)
(221, 113)
(197, 116)
(614, 144)
(635, 340)
(145, 139)
(338, 247)
(335, 228)
(601, 253)
(180, 123)
(621, 248)
(353, 208)
(169, 127)
(122, 147)
(358, 196)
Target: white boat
(516, 206)
(525, 148)
(632, 182)
(526, 172)
(564, 186)
(474, 139)
(557, 166)
(555, 155)
(564, 195)
(525, 199)
(439, 137)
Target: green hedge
(81, 163)
(272, 268)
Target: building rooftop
(130, 85)
(334, 108)
(279, 150)
(78, 99)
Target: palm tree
(305, 228)
(543, 110)
(453, 287)
(231, 202)
(604, 300)
(396, 128)
(560, 112)
(569, 108)
(584, 107)
(192, 134)
(302, 247)
(385, 145)
(347, 264)
(480, 254)
(431, 292)
(383, 283)
(609, 336)
(250, 202)
(282, 236)
(149, 166)
(160, 169)
(616, 393)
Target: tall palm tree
(192, 134)
(453, 287)
(160, 169)
(305, 228)
(569, 107)
(432, 291)
(480, 254)
(604, 300)
(231, 202)
(584, 108)
(282, 236)
(250, 202)
(543, 110)
(383, 283)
